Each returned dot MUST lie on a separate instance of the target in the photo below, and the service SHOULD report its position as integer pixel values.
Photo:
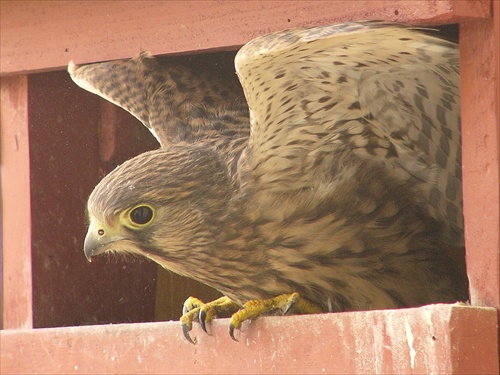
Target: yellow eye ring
(139, 216)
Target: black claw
(202, 318)
(185, 331)
(231, 332)
(289, 306)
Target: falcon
(335, 187)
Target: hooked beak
(98, 240)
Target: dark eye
(141, 215)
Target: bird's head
(160, 204)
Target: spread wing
(380, 93)
(175, 102)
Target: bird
(333, 185)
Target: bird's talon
(231, 332)
(191, 304)
(185, 331)
(292, 300)
(203, 320)
(288, 308)
(195, 310)
(187, 322)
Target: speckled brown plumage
(347, 191)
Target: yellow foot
(283, 302)
(195, 309)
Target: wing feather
(176, 103)
(384, 93)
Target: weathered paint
(450, 339)
(91, 31)
(16, 207)
(480, 75)
(375, 342)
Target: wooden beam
(46, 35)
(16, 204)
(480, 77)
(449, 339)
